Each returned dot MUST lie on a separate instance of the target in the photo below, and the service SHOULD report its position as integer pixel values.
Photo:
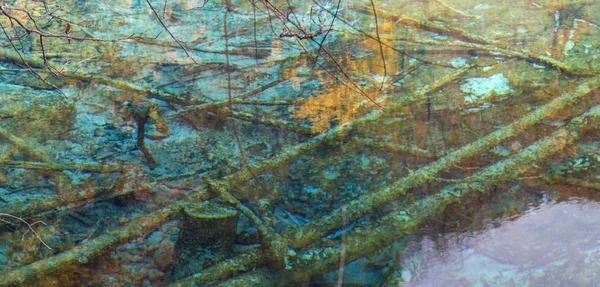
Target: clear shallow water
(269, 143)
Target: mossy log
(315, 230)
(275, 247)
(31, 149)
(54, 166)
(38, 62)
(369, 202)
(238, 180)
(83, 253)
(483, 43)
(366, 239)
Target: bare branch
(169, 31)
(29, 226)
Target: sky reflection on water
(553, 245)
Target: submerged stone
(479, 88)
(38, 114)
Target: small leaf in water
(67, 30)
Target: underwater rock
(479, 89)
(205, 238)
(164, 255)
(37, 114)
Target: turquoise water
(294, 143)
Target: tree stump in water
(206, 237)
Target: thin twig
(36, 74)
(29, 226)
(340, 280)
(170, 34)
(456, 10)
(230, 99)
(380, 45)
